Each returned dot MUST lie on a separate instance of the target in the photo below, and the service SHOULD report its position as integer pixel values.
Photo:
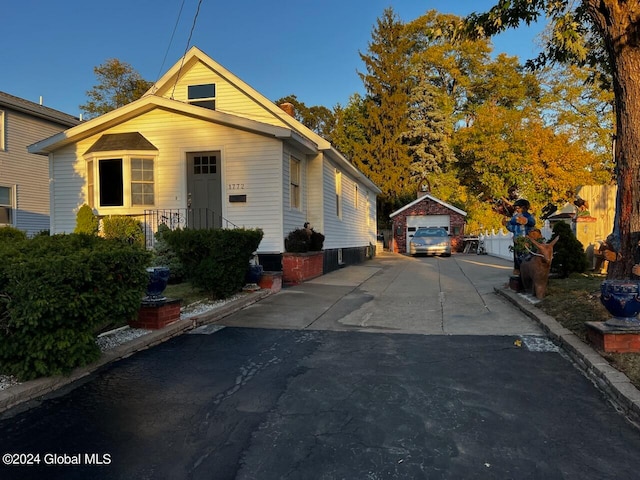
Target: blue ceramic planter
(254, 274)
(622, 300)
(158, 278)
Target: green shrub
(123, 228)
(86, 221)
(55, 292)
(316, 241)
(11, 234)
(299, 241)
(164, 256)
(215, 261)
(568, 253)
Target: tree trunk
(619, 25)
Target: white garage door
(414, 222)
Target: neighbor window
(338, 194)
(294, 174)
(2, 130)
(121, 182)
(202, 95)
(5, 206)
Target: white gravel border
(117, 337)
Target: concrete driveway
(397, 294)
(399, 368)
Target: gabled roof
(147, 104)
(36, 110)
(110, 142)
(195, 55)
(293, 131)
(428, 196)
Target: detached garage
(427, 211)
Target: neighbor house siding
(26, 173)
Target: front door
(204, 193)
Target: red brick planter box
(156, 315)
(299, 267)
(610, 339)
(271, 281)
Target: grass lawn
(186, 292)
(575, 300)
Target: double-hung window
(126, 181)
(338, 194)
(294, 180)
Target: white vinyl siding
(229, 99)
(294, 218)
(355, 228)
(251, 166)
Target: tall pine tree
(386, 159)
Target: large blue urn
(622, 300)
(158, 279)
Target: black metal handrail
(174, 218)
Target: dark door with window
(204, 193)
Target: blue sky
(301, 47)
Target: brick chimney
(289, 108)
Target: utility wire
(175, 27)
(193, 26)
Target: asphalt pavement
(396, 368)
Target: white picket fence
(497, 244)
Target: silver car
(430, 241)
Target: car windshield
(430, 232)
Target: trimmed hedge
(215, 261)
(123, 228)
(55, 291)
(300, 241)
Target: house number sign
(236, 186)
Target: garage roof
(427, 196)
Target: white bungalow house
(202, 148)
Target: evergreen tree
(427, 136)
(386, 159)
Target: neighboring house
(202, 148)
(24, 177)
(427, 211)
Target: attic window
(202, 95)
